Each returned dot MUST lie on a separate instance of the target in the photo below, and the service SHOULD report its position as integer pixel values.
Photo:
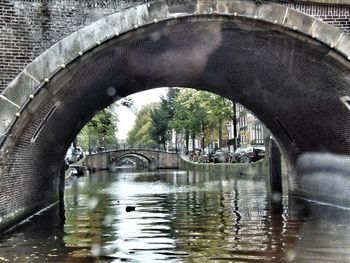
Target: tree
(161, 117)
(219, 111)
(159, 120)
(100, 131)
(188, 114)
(200, 112)
(140, 132)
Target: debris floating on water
(129, 208)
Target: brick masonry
(336, 15)
(29, 27)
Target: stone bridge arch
(156, 159)
(290, 69)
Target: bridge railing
(115, 147)
(115, 4)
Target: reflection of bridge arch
(136, 155)
(146, 161)
(291, 70)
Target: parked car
(238, 154)
(253, 154)
(221, 156)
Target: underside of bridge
(294, 84)
(137, 160)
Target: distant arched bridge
(155, 159)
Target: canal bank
(257, 168)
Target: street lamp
(89, 137)
(234, 121)
(202, 137)
(228, 126)
(160, 142)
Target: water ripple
(178, 217)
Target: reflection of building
(250, 130)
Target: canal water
(179, 216)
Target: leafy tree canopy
(100, 131)
(161, 117)
(200, 111)
(140, 133)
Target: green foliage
(218, 109)
(161, 117)
(197, 110)
(140, 133)
(100, 131)
(102, 123)
(189, 112)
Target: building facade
(249, 129)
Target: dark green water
(179, 217)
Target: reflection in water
(179, 217)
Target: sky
(127, 117)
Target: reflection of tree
(226, 218)
(236, 212)
(209, 216)
(86, 219)
(214, 216)
(202, 218)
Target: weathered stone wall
(29, 27)
(257, 168)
